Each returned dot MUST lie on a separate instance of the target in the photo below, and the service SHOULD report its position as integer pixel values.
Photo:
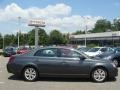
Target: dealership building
(101, 39)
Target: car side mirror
(82, 58)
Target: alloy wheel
(30, 74)
(99, 75)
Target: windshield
(93, 50)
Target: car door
(48, 61)
(74, 63)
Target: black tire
(99, 77)
(30, 78)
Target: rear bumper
(12, 68)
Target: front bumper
(113, 72)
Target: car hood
(97, 59)
(105, 54)
(91, 53)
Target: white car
(98, 50)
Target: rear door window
(51, 52)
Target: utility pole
(19, 19)
(3, 42)
(86, 28)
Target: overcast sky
(64, 15)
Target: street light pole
(19, 18)
(3, 42)
(86, 28)
(85, 35)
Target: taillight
(12, 58)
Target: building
(101, 39)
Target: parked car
(8, 51)
(60, 62)
(23, 50)
(113, 55)
(98, 50)
(84, 49)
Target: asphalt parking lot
(10, 82)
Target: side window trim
(46, 49)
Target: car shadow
(59, 79)
(14, 77)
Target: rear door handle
(63, 63)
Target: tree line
(102, 25)
(55, 37)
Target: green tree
(1, 41)
(66, 38)
(56, 37)
(116, 24)
(23, 39)
(78, 32)
(102, 26)
(31, 39)
(43, 37)
(9, 40)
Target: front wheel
(99, 75)
(30, 74)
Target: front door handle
(63, 63)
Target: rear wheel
(30, 74)
(99, 75)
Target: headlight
(109, 57)
(113, 64)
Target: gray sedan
(60, 62)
